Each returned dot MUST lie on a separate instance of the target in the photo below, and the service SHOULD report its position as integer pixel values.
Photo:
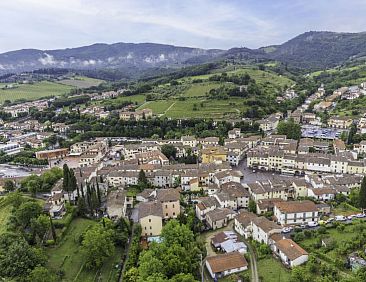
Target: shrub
(50, 242)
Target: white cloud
(89, 62)
(199, 23)
(47, 60)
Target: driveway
(253, 261)
(134, 214)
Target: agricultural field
(158, 107)
(261, 77)
(33, 91)
(68, 257)
(200, 89)
(81, 82)
(196, 108)
(138, 99)
(190, 99)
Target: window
(149, 219)
(166, 214)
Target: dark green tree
(99, 194)
(169, 151)
(9, 185)
(362, 198)
(289, 128)
(142, 180)
(252, 206)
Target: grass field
(158, 107)
(33, 91)
(139, 99)
(217, 109)
(200, 89)
(259, 75)
(272, 270)
(4, 213)
(67, 256)
(81, 82)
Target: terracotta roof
(167, 195)
(265, 224)
(290, 249)
(245, 218)
(296, 206)
(150, 208)
(228, 261)
(219, 214)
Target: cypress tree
(66, 180)
(54, 236)
(363, 194)
(98, 194)
(88, 195)
(82, 190)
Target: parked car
(313, 224)
(302, 226)
(322, 222)
(286, 230)
(360, 215)
(330, 220)
(340, 218)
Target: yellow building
(151, 218)
(214, 154)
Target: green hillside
(192, 96)
(32, 91)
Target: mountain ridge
(309, 50)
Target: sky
(223, 24)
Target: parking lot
(320, 132)
(251, 175)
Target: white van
(340, 218)
(313, 224)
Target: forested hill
(311, 50)
(319, 50)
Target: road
(127, 252)
(253, 262)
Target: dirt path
(253, 262)
(127, 252)
(169, 108)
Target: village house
(270, 123)
(204, 206)
(222, 265)
(295, 212)
(213, 154)
(340, 122)
(116, 205)
(227, 241)
(290, 253)
(219, 218)
(137, 115)
(150, 218)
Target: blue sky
(51, 24)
